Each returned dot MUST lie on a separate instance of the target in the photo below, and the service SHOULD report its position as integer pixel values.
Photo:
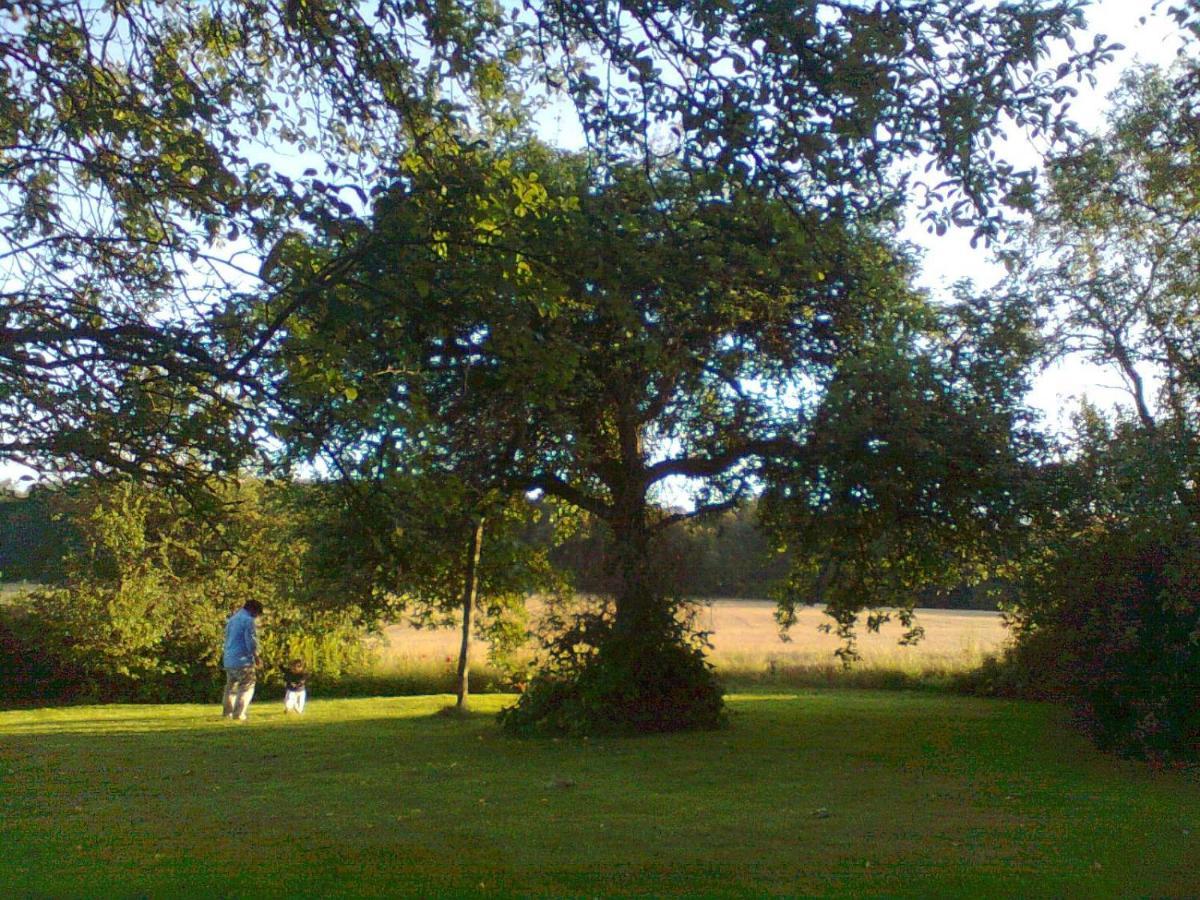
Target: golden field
(746, 641)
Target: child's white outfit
(294, 691)
(293, 701)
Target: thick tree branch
(556, 487)
(717, 464)
(700, 512)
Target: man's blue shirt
(241, 641)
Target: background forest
(725, 557)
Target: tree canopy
(151, 155)
(591, 337)
(144, 169)
(1107, 608)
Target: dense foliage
(587, 683)
(33, 537)
(1108, 612)
(726, 555)
(153, 154)
(1119, 640)
(147, 150)
(912, 482)
(142, 608)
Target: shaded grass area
(827, 792)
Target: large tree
(1108, 605)
(739, 161)
(595, 338)
(673, 303)
(1111, 262)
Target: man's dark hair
(253, 607)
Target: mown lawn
(824, 792)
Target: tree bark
(640, 588)
(631, 528)
(470, 591)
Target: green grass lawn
(826, 792)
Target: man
(240, 659)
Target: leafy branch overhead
(150, 154)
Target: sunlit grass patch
(401, 675)
(903, 667)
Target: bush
(137, 643)
(1031, 669)
(596, 681)
(1120, 642)
(141, 613)
(30, 671)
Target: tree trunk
(654, 676)
(470, 591)
(638, 590)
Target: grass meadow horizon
(746, 651)
(744, 637)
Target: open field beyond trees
(830, 792)
(746, 645)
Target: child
(294, 678)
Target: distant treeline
(33, 538)
(723, 557)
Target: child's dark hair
(296, 666)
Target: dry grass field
(746, 641)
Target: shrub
(596, 681)
(29, 670)
(141, 612)
(1117, 636)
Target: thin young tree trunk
(470, 590)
